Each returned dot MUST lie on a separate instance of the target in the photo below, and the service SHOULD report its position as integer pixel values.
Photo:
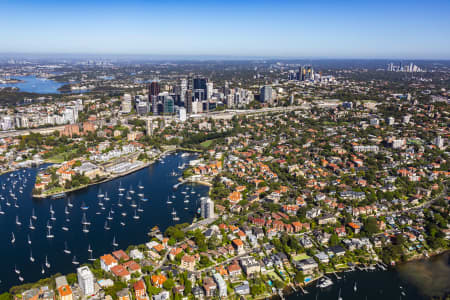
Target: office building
(209, 90)
(182, 114)
(153, 89)
(188, 101)
(86, 280)
(200, 83)
(265, 95)
(168, 105)
(183, 89)
(126, 104)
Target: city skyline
(400, 30)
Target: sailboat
(175, 217)
(100, 194)
(13, 239)
(90, 257)
(17, 221)
(85, 229)
(140, 186)
(51, 209)
(74, 260)
(119, 204)
(136, 217)
(168, 200)
(354, 287)
(133, 204)
(66, 210)
(42, 269)
(84, 206)
(28, 239)
(52, 216)
(66, 250)
(69, 204)
(106, 197)
(47, 264)
(31, 256)
(109, 216)
(1, 211)
(139, 208)
(84, 220)
(21, 278)
(128, 197)
(49, 234)
(89, 248)
(65, 228)
(114, 243)
(121, 189)
(48, 224)
(131, 190)
(16, 270)
(31, 225)
(106, 226)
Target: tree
(334, 240)
(6, 296)
(187, 287)
(169, 284)
(71, 278)
(300, 277)
(370, 226)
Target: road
(44, 131)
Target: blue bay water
(33, 84)
(158, 186)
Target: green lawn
(206, 144)
(301, 256)
(57, 159)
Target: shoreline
(289, 290)
(109, 178)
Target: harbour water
(157, 183)
(33, 84)
(421, 279)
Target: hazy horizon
(266, 28)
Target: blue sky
(333, 29)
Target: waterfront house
(120, 255)
(107, 261)
(308, 266)
(121, 272)
(136, 254)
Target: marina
(78, 227)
